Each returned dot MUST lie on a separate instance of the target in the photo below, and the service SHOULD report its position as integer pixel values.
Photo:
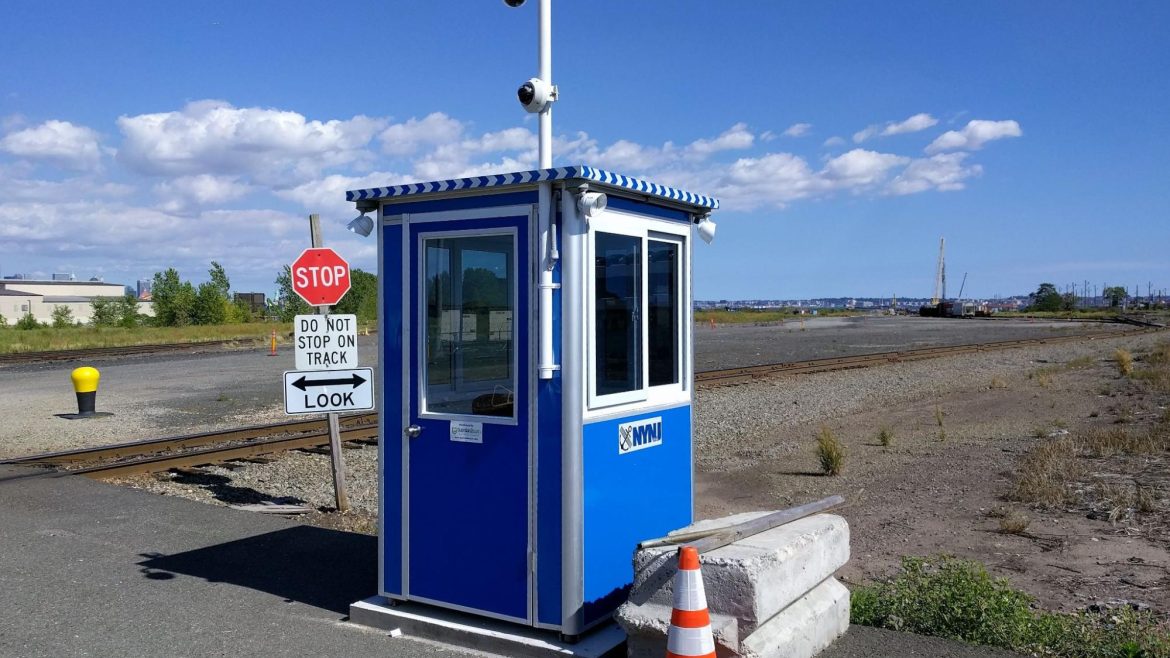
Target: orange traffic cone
(689, 635)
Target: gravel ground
(733, 345)
(729, 418)
(730, 422)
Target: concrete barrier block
(646, 627)
(803, 629)
(754, 578)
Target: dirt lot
(959, 445)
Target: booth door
(467, 433)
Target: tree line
(1048, 298)
(179, 303)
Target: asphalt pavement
(92, 569)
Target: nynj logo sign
(639, 434)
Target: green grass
(957, 599)
(73, 338)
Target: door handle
(412, 431)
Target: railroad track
(127, 350)
(192, 450)
(733, 376)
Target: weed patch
(885, 437)
(1124, 361)
(830, 452)
(1013, 523)
(957, 599)
(1046, 473)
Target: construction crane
(961, 287)
(940, 278)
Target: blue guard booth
(536, 387)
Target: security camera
(536, 94)
(513, 3)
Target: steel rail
(187, 441)
(125, 350)
(216, 455)
(745, 374)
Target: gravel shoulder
(934, 490)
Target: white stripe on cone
(690, 641)
(688, 590)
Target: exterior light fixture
(706, 230)
(362, 225)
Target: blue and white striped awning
(535, 176)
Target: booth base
(481, 634)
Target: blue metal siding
(548, 478)
(460, 203)
(391, 415)
(629, 498)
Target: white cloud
(797, 130)
(945, 172)
(128, 242)
(186, 192)
(271, 146)
(407, 137)
(834, 141)
(920, 121)
(866, 133)
(974, 135)
(60, 143)
(860, 168)
(737, 137)
(327, 195)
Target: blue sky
(843, 138)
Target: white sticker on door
(465, 432)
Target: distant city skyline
(843, 139)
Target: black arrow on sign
(354, 379)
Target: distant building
(255, 300)
(19, 297)
(143, 292)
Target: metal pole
(546, 365)
(544, 55)
(336, 461)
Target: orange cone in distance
(689, 635)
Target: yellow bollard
(85, 384)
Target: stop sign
(320, 276)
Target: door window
(469, 305)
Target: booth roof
(580, 172)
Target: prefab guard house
(536, 387)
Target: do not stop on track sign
(320, 276)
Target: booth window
(618, 294)
(469, 359)
(664, 308)
(638, 316)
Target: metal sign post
(336, 461)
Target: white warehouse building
(19, 297)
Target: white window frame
(646, 228)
